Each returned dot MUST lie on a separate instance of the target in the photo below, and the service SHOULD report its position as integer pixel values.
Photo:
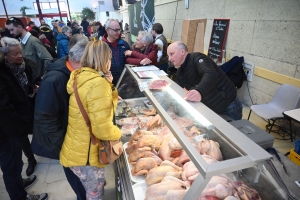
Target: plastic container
(297, 147)
(294, 157)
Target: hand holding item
(145, 61)
(154, 121)
(128, 53)
(193, 95)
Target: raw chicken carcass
(182, 159)
(140, 153)
(152, 141)
(190, 172)
(219, 187)
(176, 149)
(211, 148)
(132, 144)
(143, 165)
(138, 134)
(158, 84)
(155, 175)
(170, 185)
(164, 150)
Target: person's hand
(154, 121)
(128, 53)
(193, 95)
(145, 61)
(108, 76)
(120, 98)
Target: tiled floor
(51, 177)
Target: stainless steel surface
(126, 185)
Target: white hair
(77, 50)
(7, 42)
(66, 29)
(146, 37)
(107, 24)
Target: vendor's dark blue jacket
(199, 72)
(118, 59)
(16, 108)
(51, 111)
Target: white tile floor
(51, 177)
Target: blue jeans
(235, 110)
(75, 183)
(11, 165)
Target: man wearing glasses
(32, 47)
(118, 46)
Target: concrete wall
(266, 33)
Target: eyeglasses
(115, 30)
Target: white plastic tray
(139, 190)
(136, 179)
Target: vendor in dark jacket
(51, 109)
(205, 81)
(144, 51)
(18, 84)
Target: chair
(287, 97)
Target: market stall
(190, 126)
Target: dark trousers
(164, 67)
(75, 183)
(11, 165)
(26, 147)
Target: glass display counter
(242, 158)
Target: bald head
(177, 51)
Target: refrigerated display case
(242, 158)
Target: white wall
(265, 32)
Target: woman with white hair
(18, 84)
(144, 50)
(63, 38)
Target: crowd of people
(42, 68)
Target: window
(53, 5)
(49, 5)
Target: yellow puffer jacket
(99, 101)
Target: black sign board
(218, 38)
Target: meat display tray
(136, 179)
(139, 190)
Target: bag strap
(88, 122)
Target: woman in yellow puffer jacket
(99, 99)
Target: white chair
(287, 97)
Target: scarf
(19, 73)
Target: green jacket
(35, 50)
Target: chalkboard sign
(218, 38)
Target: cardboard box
(190, 30)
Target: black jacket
(51, 111)
(199, 72)
(16, 108)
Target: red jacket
(137, 56)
